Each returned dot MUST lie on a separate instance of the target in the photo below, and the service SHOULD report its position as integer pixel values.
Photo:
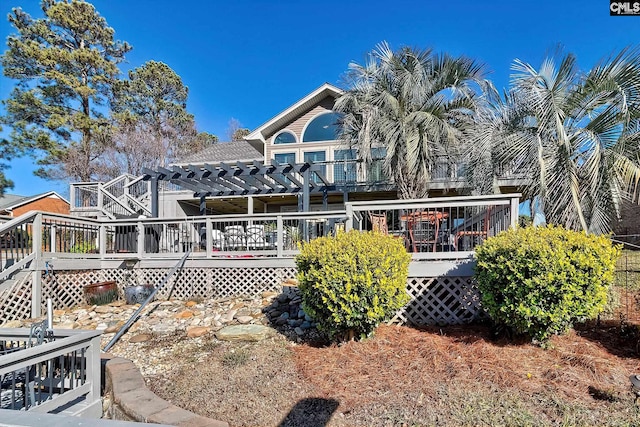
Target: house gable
(51, 201)
(290, 116)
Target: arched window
(285, 137)
(322, 128)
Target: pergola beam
(248, 179)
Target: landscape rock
(197, 331)
(244, 333)
(186, 314)
(228, 316)
(140, 338)
(244, 319)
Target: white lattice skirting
(448, 300)
(434, 301)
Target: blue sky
(251, 59)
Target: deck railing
(125, 195)
(438, 228)
(446, 227)
(43, 236)
(62, 372)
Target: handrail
(134, 316)
(132, 199)
(118, 178)
(399, 204)
(22, 219)
(77, 357)
(118, 201)
(15, 267)
(135, 181)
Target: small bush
(540, 280)
(353, 281)
(83, 248)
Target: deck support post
(36, 274)
(154, 196)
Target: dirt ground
(408, 377)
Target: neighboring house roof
(295, 110)
(12, 201)
(223, 152)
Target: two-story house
(306, 132)
(265, 172)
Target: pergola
(243, 179)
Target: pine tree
(65, 65)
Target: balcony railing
(63, 372)
(446, 227)
(125, 195)
(438, 228)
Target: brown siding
(296, 126)
(46, 204)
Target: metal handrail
(150, 298)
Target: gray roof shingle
(12, 200)
(223, 152)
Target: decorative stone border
(133, 401)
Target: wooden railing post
(209, 238)
(279, 236)
(36, 276)
(349, 223)
(140, 240)
(515, 206)
(72, 196)
(93, 369)
(102, 240)
(52, 238)
(100, 198)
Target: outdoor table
(414, 219)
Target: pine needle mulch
(405, 366)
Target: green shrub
(540, 280)
(353, 281)
(83, 248)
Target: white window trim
(295, 151)
(273, 138)
(304, 129)
(327, 156)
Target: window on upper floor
(344, 168)
(285, 157)
(285, 137)
(316, 156)
(322, 128)
(375, 171)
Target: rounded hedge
(353, 281)
(540, 280)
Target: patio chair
(379, 223)
(235, 236)
(424, 235)
(218, 239)
(467, 237)
(256, 238)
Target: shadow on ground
(617, 337)
(286, 316)
(310, 412)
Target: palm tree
(575, 135)
(413, 103)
